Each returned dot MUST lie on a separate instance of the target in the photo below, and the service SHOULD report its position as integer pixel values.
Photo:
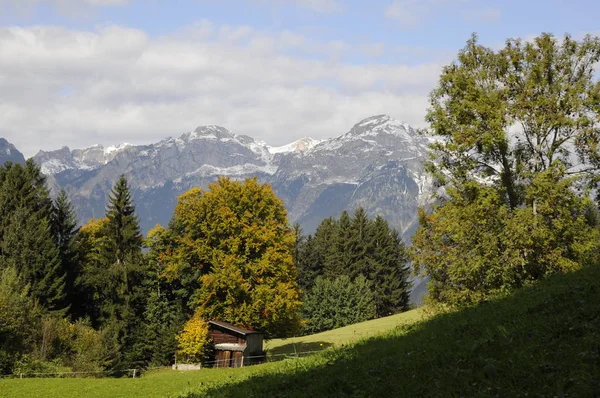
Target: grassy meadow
(169, 383)
(541, 341)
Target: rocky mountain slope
(8, 153)
(376, 165)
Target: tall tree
(507, 115)
(358, 247)
(122, 228)
(511, 121)
(26, 241)
(113, 273)
(390, 270)
(64, 230)
(312, 253)
(339, 257)
(19, 318)
(237, 236)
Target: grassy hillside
(165, 382)
(542, 341)
(341, 336)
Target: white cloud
(68, 87)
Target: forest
(102, 297)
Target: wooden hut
(235, 346)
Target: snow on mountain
(377, 164)
(94, 157)
(303, 144)
(115, 149)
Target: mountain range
(377, 165)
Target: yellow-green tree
(236, 240)
(193, 340)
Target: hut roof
(232, 328)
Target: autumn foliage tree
(236, 239)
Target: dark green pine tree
(312, 252)
(64, 230)
(390, 273)
(26, 241)
(122, 229)
(338, 259)
(124, 293)
(360, 245)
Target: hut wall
(219, 337)
(254, 343)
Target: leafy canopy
(236, 238)
(517, 152)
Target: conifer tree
(339, 257)
(122, 228)
(390, 272)
(64, 229)
(114, 272)
(358, 247)
(26, 241)
(312, 252)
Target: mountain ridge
(377, 164)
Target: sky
(83, 72)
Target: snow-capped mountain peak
(96, 156)
(382, 124)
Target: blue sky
(80, 72)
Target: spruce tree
(113, 275)
(360, 245)
(122, 229)
(125, 299)
(389, 276)
(339, 259)
(312, 252)
(64, 230)
(26, 241)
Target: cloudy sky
(81, 72)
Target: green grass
(166, 382)
(342, 336)
(542, 341)
(159, 384)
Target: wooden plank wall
(219, 337)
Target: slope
(541, 341)
(341, 336)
